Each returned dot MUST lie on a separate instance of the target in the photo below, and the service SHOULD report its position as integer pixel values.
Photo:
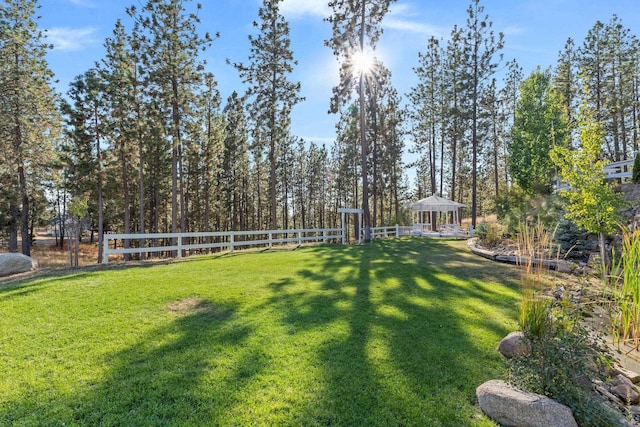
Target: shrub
(488, 234)
(511, 207)
(516, 208)
(635, 175)
(572, 241)
(557, 367)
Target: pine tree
(83, 154)
(29, 120)
(608, 61)
(456, 109)
(427, 110)
(171, 46)
(234, 174)
(356, 31)
(130, 124)
(566, 79)
(481, 47)
(273, 94)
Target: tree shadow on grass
(188, 371)
(422, 323)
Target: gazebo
(436, 214)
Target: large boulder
(512, 407)
(13, 263)
(514, 346)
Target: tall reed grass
(535, 246)
(626, 292)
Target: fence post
(324, 235)
(105, 250)
(299, 238)
(270, 239)
(231, 235)
(397, 231)
(179, 246)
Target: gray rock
(634, 377)
(563, 266)
(514, 345)
(623, 389)
(509, 406)
(13, 263)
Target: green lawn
(397, 332)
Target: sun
(362, 62)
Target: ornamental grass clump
(625, 312)
(535, 245)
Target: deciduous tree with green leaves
(539, 124)
(592, 202)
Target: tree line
(146, 138)
(478, 136)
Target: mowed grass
(396, 332)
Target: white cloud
(299, 8)
(413, 27)
(70, 39)
(514, 30)
(404, 17)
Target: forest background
(146, 140)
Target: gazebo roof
(436, 204)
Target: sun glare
(362, 62)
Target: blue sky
(535, 31)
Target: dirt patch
(193, 305)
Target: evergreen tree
(83, 154)
(130, 123)
(566, 79)
(427, 112)
(635, 177)
(456, 110)
(481, 47)
(234, 174)
(509, 94)
(29, 117)
(171, 46)
(355, 32)
(609, 63)
(273, 95)
(211, 148)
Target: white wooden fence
(621, 169)
(117, 244)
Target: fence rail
(621, 169)
(181, 242)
